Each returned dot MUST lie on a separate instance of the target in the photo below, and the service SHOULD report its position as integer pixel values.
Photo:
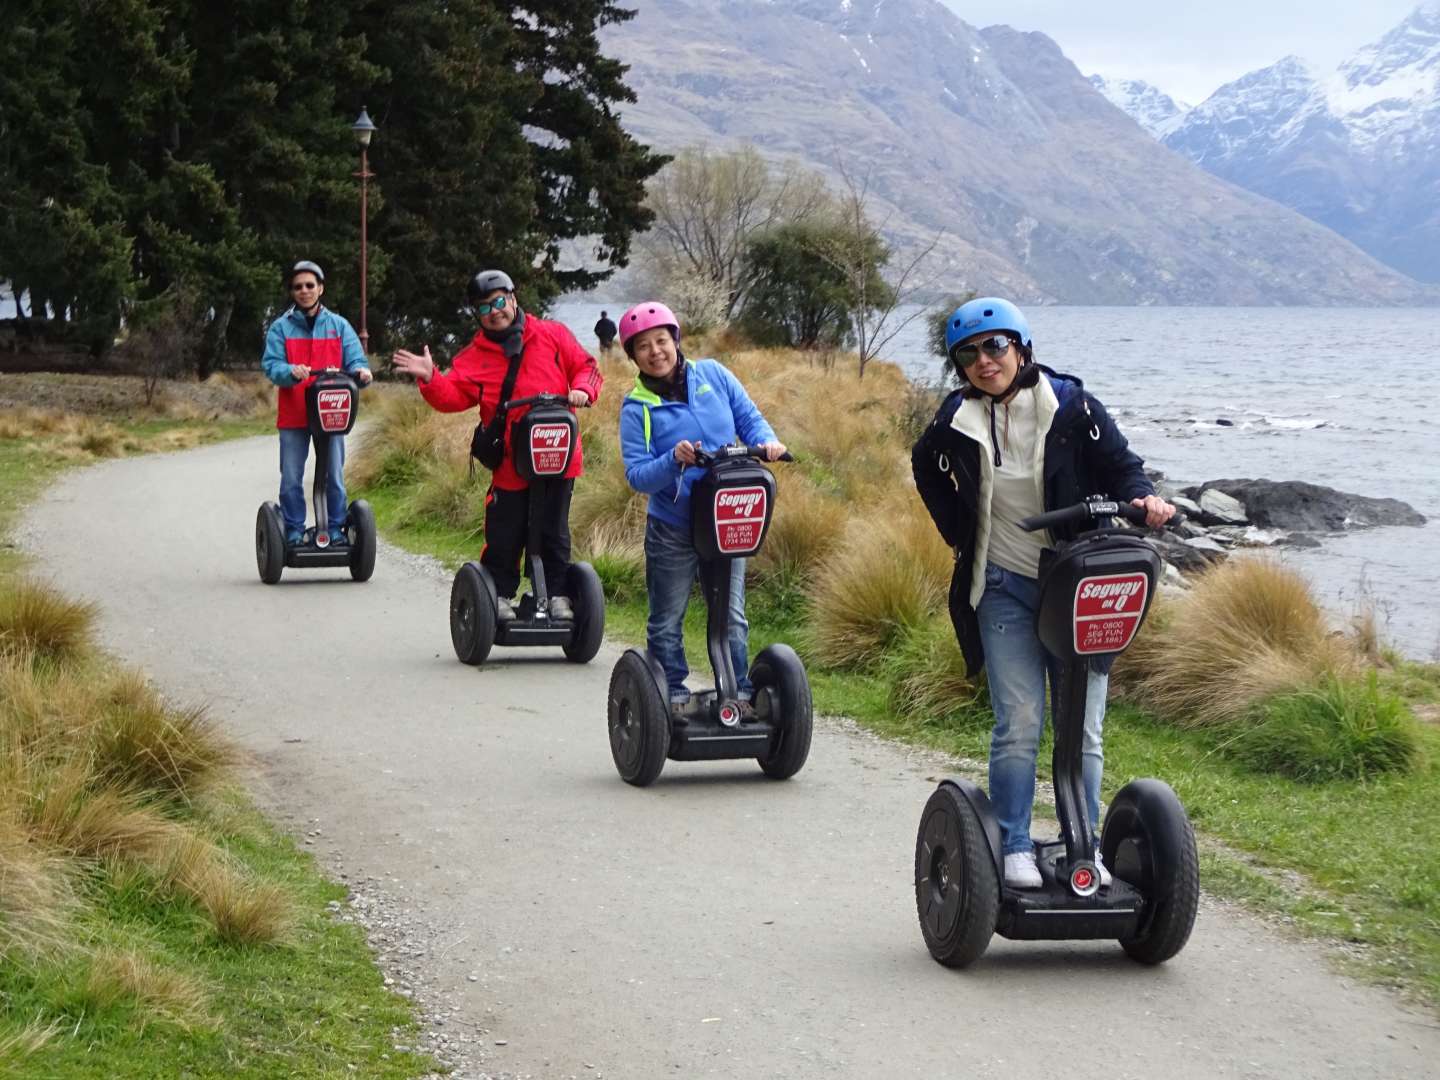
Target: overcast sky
(1191, 49)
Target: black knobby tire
(779, 667)
(361, 521)
(1147, 840)
(587, 597)
(269, 543)
(639, 721)
(473, 612)
(957, 891)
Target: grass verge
(152, 923)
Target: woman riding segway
(710, 503)
(516, 356)
(1015, 442)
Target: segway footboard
(697, 735)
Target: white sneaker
(1105, 878)
(1021, 871)
(560, 608)
(504, 609)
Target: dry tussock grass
(40, 620)
(927, 673)
(889, 575)
(808, 525)
(36, 898)
(27, 422)
(1247, 629)
(29, 1040)
(122, 977)
(141, 742)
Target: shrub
(39, 619)
(927, 674)
(889, 575)
(1248, 629)
(1344, 729)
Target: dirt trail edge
(716, 924)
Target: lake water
(1331, 396)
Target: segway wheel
(269, 543)
(473, 613)
(1148, 841)
(639, 720)
(778, 667)
(957, 890)
(362, 547)
(588, 599)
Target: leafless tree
(708, 205)
(877, 319)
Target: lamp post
(364, 128)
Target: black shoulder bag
(487, 445)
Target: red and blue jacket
(330, 343)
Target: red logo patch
(739, 519)
(334, 407)
(549, 448)
(1108, 608)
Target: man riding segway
(512, 356)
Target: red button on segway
(1082, 878)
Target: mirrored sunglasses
(994, 347)
(498, 304)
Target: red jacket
(553, 363)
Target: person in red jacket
(551, 361)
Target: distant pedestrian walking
(606, 330)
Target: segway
(1093, 598)
(541, 443)
(731, 507)
(331, 407)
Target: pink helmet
(646, 316)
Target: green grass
(312, 1005)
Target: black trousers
(507, 526)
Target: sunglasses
(498, 304)
(993, 347)
(302, 285)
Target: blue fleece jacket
(718, 412)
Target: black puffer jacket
(1085, 454)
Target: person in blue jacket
(307, 339)
(677, 407)
(1018, 439)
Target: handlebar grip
(1067, 516)
(757, 451)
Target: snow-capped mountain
(1150, 107)
(986, 142)
(1356, 149)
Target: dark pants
(507, 525)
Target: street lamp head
(364, 127)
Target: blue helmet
(985, 314)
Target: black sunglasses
(304, 285)
(994, 347)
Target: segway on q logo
(739, 519)
(1107, 611)
(549, 448)
(334, 407)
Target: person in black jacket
(605, 331)
(1015, 440)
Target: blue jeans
(671, 566)
(1016, 665)
(294, 450)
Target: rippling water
(1332, 396)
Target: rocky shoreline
(1222, 515)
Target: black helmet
(303, 265)
(487, 281)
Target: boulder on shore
(1294, 505)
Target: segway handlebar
(1092, 510)
(706, 458)
(537, 399)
